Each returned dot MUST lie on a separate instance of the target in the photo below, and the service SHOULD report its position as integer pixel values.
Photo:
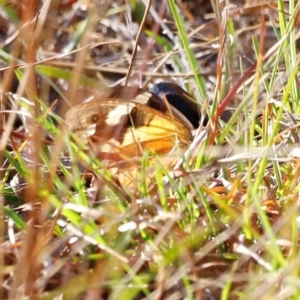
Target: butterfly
(129, 120)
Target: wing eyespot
(95, 118)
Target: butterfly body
(129, 120)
